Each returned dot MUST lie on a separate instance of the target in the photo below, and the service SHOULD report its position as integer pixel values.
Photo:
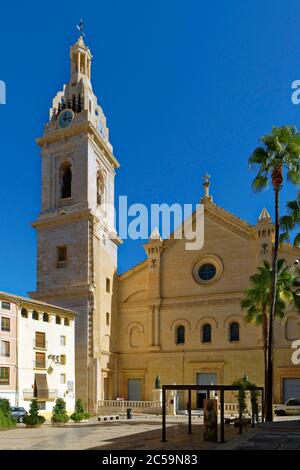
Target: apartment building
(40, 358)
(8, 350)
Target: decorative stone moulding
(207, 259)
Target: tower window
(180, 335)
(107, 284)
(57, 320)
(62, 254)
(65, 180)
(107, 318)
(100, 188)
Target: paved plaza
(144, 433)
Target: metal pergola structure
(208, 389)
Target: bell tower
(76, 236)
(264, 234)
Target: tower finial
(80, 28)
(206, 184)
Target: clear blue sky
(187, 88)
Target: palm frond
(259, 183)
(297, 240)
(258, 156)
(293, 176)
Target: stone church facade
(177, 314)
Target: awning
(41, 385)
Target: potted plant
(79, 414)
(33, 420)
(59, 413)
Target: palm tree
(291, 221)
(278, 154)
(257, 300)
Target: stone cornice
(74, 129)
(135, 269)
(221, 217)
(198, 351)
(227, 221)
(186, 302)
(35, 304)
(197, 303)
(75, 290)
(57, 219)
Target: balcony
(65, 202)
(39, 364)
(29, 394)
(37, 344)
(61, 264)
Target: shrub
(79, 413)
(5, 407)
(79, 406)
(59, 413)
(6, 419)
(33, 419)
(77, 417)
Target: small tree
(241, 396)
(6, 419)
(254, 402)
(79, 414)
(291, 221)
(244, 384)
(59, 413)
(33, 420)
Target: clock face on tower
(65, 118)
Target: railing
(120, 406)
(230, 407)
(65, 202)
(61, 264)
(5, 354)
(154, 407)
(40, 344)
(29, 394)
(39, 365)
